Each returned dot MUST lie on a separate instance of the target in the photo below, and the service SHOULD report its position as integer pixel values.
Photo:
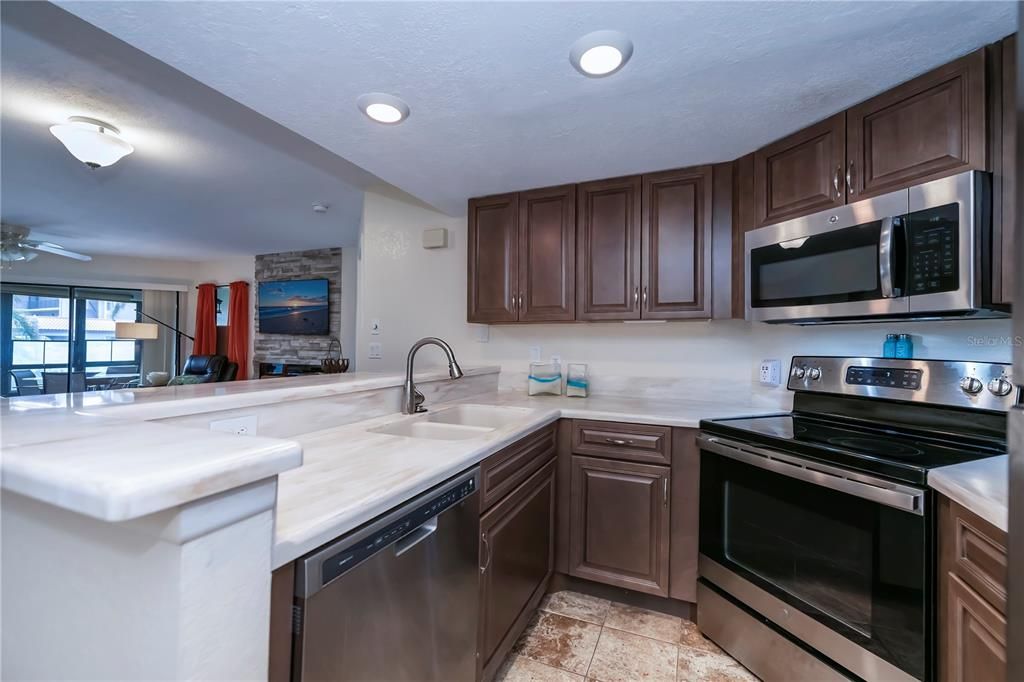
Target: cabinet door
(517, 558)
(676, 220)
(802, 173)
(547, 255)
(975, 637)
(926, 128)
(608, 250)
(493, 258)
(1004, 182)
(619, 524)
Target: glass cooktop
(903, 455)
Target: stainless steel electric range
(817, 528)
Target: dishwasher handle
(424, 531)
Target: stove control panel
(892, 377)
(979, 385)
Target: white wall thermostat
(436, 238)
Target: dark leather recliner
(205, 368)
(230, 372)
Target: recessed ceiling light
(383, 108)
(601, 53)
(91, 141)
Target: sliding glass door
(67, 331)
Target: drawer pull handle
(617, 441)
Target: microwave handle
(885, 254)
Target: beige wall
(417, 292)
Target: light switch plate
(770, 372)
(374, 351)
(240, 426)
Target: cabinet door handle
(645, 297)
(849, 179)
(836, 179)
(513, 301)
(617, 441)
(487, 546)
(520, 301)
(636, 295)
(664, 491)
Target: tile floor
(575, 637)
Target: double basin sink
(461, 422)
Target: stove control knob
(798, 372)
(814, 373)
(1000, 386)
(971, 385)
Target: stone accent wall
(316, 264)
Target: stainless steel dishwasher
(396, 599)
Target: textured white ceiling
(209, 177)
(496, 105)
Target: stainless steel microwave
(919, 253)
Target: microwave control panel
(933, 250)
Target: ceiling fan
(16, 247)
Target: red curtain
(238, 328)
(206, 321)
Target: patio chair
(63, 382)
(25, 382)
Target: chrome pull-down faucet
(412, 400)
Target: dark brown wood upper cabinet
(1004, 169)
(547, 255)
(608, 249)
(619, 524)
(926, 128)
(493, 272)
(801, 173)
(676, 249)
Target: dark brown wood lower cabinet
(619, 523)
(517, 558)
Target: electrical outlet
(374, 351)
(240, 426)
(770, 372)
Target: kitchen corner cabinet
(522, 257)
(619, 523)
(972, 597)
(1003, 114)
(517, 543)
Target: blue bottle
(889, 346)
(904, 346)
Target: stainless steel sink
(460, 422)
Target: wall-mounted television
(297, 306)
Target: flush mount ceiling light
(383, 108)
(92, 142)
(601, 53)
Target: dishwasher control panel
(354, 554)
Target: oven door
(839, 560)
(846, 262)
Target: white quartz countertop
(981, 486)
(351, 475)
(95, 453)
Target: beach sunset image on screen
(293, 307)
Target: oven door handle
(852, 483)
(885, 254)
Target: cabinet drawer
(977, 553)
(504, 470)
(632, 442)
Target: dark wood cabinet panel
(493, 247)
(517, 554)
(802, 173)
(506, 469)
(547, 255)
(635, 442)
(972, 596)
(926, 128)
(676, 244)
(685, 492)
(619, 524)
(608, 249)
(975, 635)
(743, 220)
(1004, 167)
(282, 597)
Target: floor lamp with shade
(149, 331)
